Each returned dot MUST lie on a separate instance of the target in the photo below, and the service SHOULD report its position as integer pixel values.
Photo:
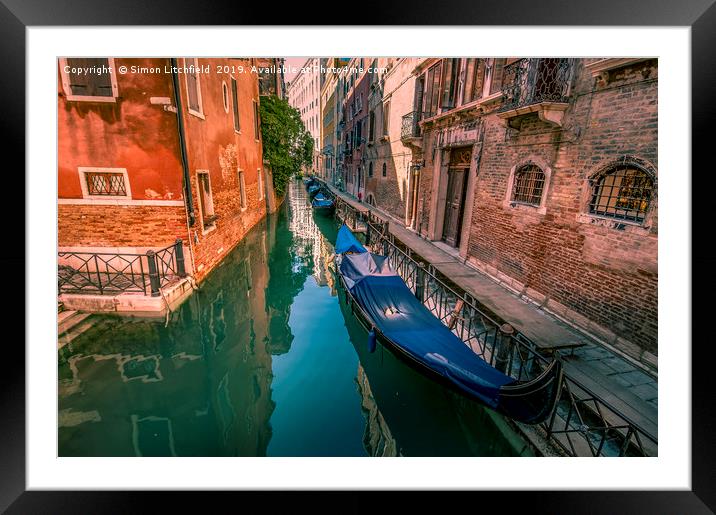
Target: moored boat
(385, 305)
(313, 190)
(323, 205)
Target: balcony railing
(532, 81)
(112, 273)
(410, 127)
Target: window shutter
(91, 84)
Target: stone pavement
(620, 381)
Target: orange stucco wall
(130, 133)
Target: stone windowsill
(614, 223)
(530, 209)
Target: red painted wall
(214, 145)
(130, 133)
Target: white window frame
(204, 229)
(257, 122)
(82, 170)
(540, 209)
(241, 179)
(225, 96)
(260, 179)
(231, 96)
(187, 62)
(88, 98)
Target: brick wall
(600, 270)
(120, 226)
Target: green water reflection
(264, 359)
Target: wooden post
(153, 273)
(504, 344)
(420, 282)
(179, 250)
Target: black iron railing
(410, 127)
(531, 81)
(111, 273)
(582, 424)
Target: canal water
(264, 359)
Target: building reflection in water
(223, 375)
(198, 385)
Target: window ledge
(87, 98)
(208, 229)
(197, 114)
(615, 223)
(524, 208)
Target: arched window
(385, 170)
(623, 192)
(370, 170)
(528, 185)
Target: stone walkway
(620, 381)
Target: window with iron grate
(623, 192)
(106, 184)
(528, 185)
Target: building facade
(271, 77)
(543, 174)
(355, 115)
(304, 93)
(170, 149)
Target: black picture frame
(700, 15)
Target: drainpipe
(182, 146)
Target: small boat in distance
(323, 205)
(313, 190)
(389, 310)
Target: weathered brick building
(355, 116)
(543, 174)
(390, 165)
(151, 150)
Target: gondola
(385, 305)
(323, 205)
(313, 190)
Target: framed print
(431, 264)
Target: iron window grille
(106, 184)
(624, 192)
(528, 185)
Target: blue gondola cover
(346, 242)
(408, 323)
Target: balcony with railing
(535, 86)
(410, 131)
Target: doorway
(458, 170)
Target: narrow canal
(264, 359)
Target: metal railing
(531, 81)
(112, 273)
(582, 424)
(410, 127)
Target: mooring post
(153, 273)
(420, 282)
(179, 251)
(504, 344)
